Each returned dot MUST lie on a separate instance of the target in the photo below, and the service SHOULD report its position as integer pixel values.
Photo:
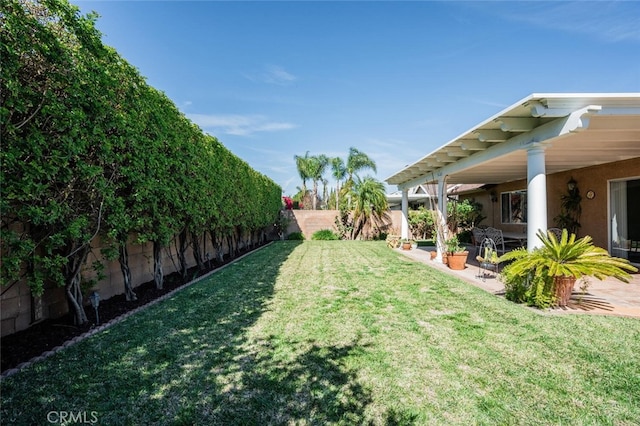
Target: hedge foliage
(89, 148)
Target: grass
(327, 332)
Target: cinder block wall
(310, 221)
(18, 309)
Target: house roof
(576, 130)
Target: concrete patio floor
(608, 297)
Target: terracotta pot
(457, 261)
(563, 287)
(406, 245)
(433, 254)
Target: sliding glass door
(624, 213)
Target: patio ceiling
(577, 130)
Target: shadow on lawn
(192, 360)
(314, 387)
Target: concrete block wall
(310, 221)
(19, 310)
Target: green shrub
(529, 288)
(325, 234)
(295, 236)
(421, 223)
(530, 276)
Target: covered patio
(539, 136)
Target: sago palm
(570, 257)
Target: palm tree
(316, 167)
(357, 161)
(325, 198)
(370, 209)
(303, 165)
(338, 171)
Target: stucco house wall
(595, 217)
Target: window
(514, 207)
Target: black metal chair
(496, 235)
(478, 235)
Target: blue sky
(394, 79)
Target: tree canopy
(89, 148)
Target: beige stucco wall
(594, 219)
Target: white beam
(550, 130)
(442, 157)
(540, 110)
(488, 135)
(473, 145)
(517, 124)
(456, 152)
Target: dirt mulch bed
(44, 336)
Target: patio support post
(536, 194)
(405, 214)
(441, 228)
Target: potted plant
(406, 244)
(393, 241)
(488, 259)
(546, 275)
(456, 254)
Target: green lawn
(332, 332)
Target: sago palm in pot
(562, 262)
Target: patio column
(536, 195)
(405, 214)
(442, 230)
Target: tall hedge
(88, 149)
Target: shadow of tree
(190, 360)
(314, 387)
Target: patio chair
(478, 235)
(488, 259)
(497, 237)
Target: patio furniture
(514, 239)
(487, 259)
(477, 235)
(497, 237)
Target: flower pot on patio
(433, 254)
(406, 245)
(458, 260)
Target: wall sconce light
(494, 196)
(572, 184)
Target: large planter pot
(563, 287)
(457, 261)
